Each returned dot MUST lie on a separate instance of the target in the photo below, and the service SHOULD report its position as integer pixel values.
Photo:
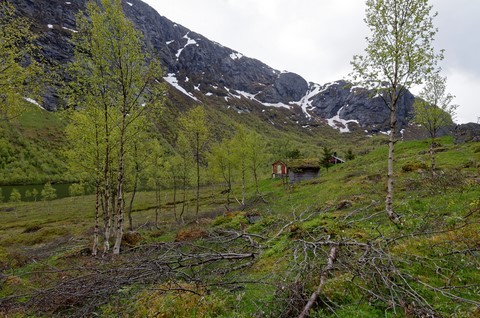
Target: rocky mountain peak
(202, 69)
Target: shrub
(15, 196)
(414, 166)
(48, 192)
(76, 189)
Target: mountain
(207, 72)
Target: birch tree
(399, 54)
(240, 157)
(157, 172)
(222, 162)
(196, 132)
(434, 109)
(256, 156)
(115, 82)
(183, 168)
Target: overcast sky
(317, 38)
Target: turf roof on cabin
(303, 163)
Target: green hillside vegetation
(31, 147)
(267, 259)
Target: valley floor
(328, 235)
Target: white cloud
(464, 86)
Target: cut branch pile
(89, 287)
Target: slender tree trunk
(175, 199)
(432, 157)
(390, 172)
(197, 150)
(184, 201)
(106, 176)
(157, 202)
(134, 191)
(120, 189)
(97, 217)
(98, 194)
(256, 181)
(229, 184)
(243, 183)
(130, 206)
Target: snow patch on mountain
(341, 124)
(252, 97)
(71, 30)
(247, 95)
(189, 42)
(306, 102)
(34, 102)
(279, 104)
(172, 80)
(236, 56)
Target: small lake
(62, 191)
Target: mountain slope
(203, 70)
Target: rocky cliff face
(202, 69)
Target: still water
(62, 191)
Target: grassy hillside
(30, 151)
(32, 146)
(267, 259)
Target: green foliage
(349, 155)
(434, 109)
(414, 166)
(35, 194)
(48, 192)
(114, 85)
(400, 48)
(20, 71)
(15, 196)
(327, 157)
(30, 152)
(256, 156)
(399, 54)
(76, 189)
(195, 135)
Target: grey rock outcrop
(466, 133)
(288, 87)
(357, 105)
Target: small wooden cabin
(296, 169)
(336, 160)
(303, 169)
(279, 169)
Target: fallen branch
(331, 259)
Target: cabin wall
(303, 175)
